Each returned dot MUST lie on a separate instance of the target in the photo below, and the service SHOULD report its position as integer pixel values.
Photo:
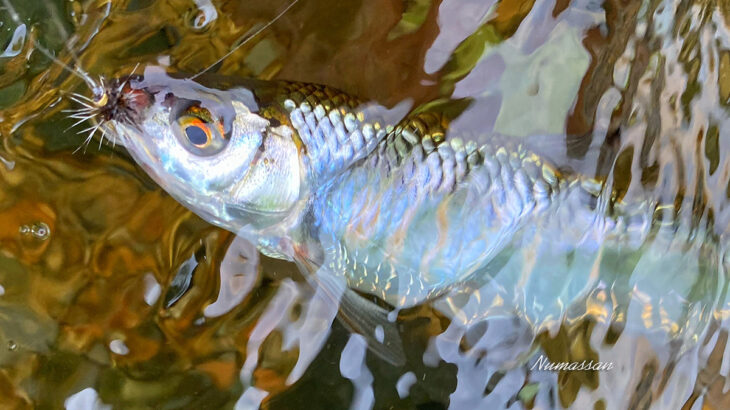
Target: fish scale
(403, 194)
(381, 189)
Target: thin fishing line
(83, 114)
(77, 72)
(267, 25)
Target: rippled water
(114, 295)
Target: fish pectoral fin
(357, 314)
(371, 321)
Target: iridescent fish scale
(378, 205)
(418, 206)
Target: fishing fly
(109, 98)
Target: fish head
(212, 149)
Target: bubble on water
(39, 230)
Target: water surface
(112, 295)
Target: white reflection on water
(207, 14)
(152, 289)
(307, 334)
(404, 384)
(458, 20)
(16, 42)
(238, 275)
(251, 398)
(352, 366)
(666, 293)
(87, 399)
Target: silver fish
(384, 198)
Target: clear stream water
(112, 295)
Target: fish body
(405, 211)
(416, 215)
(384, 197)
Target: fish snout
(122, 100)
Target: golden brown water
(112, 293)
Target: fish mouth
(120, 100)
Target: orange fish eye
(197, 132)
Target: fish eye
(198, 134)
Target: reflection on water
(113, 295)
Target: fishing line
(89, 105)
(256, 33)
(78, 72)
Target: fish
(386, 200)
(310, 172)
